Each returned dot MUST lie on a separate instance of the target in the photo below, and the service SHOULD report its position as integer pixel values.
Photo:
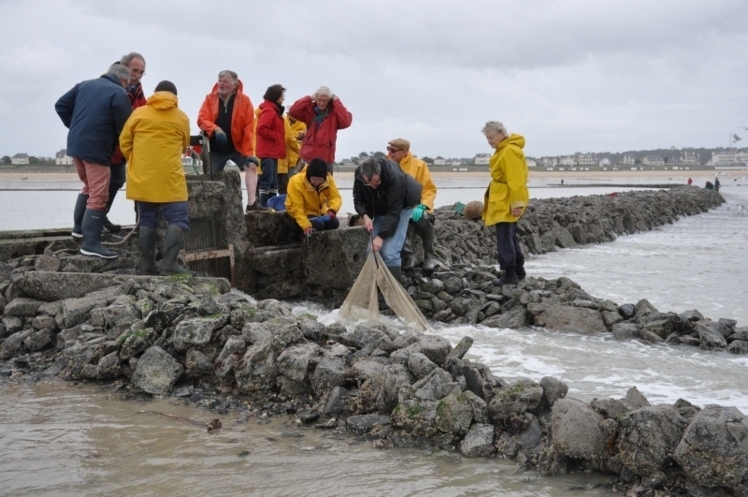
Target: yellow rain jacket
(508, 188)
(304, 200)
(292, 147)
(153, 141)
(420, 171)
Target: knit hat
(400, 144)
(317, 169)
(166, 86)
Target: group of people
(111, 123)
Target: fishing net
(362, 302)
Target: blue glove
(417, 213)
(221, 138)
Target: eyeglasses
(393, 150)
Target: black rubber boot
(173, 243)
(427, 236)
(521, 273)
(147, 244)
(262, 199)
(407, 259)
(91, 227)
(110, 227)
(509, 277)
(80, 210)
(397, 272)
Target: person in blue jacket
(94, 111)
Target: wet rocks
(156, 371)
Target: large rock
(329, 373)
(294, 365)
(77, 310)
(349, 247)
(22, 306)
(257, 371)
(648, 437)
(514, 400)
(576, 430)
(571, 320)
(195, 333)
(156, 371)
(454, 414)
(714, 449)
(478, 441)
(710, 336)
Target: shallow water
(60, 439)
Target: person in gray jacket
(384, 196)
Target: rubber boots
(147, 245)
(509, 277)
(110, 227)
(407, 259)
(80, 210)
(396, 271)
(262, 199)
(427, 235)
(521, 273)
(173, 243)
(93, 221)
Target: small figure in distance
(506, 198)
(94, 111)
(153, 141)
(323, 114)
(227, 116)
(313, 200)
(422, 220)
(690, 181)
(384, 196)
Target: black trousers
(507, 243)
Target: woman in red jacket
(271, 142)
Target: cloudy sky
(571, 75)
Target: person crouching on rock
(506, 198)
(384, 196)
(153, 141)
(422, 220)
(313, 200)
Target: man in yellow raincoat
(152, 141)
(506, 198)
(313, 200)
(421, 220)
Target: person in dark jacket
(271, 141)
(95, 111)
(384, 197)
(136, 64)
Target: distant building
(549, 161)
(653, 160)
(531, 162)
(566, 161)
(63, 159)
(728, 158)
(455, 162)
(20, 159)
(628, 160)
(604, 162)
(440, 161)
(481, 159)
(585, 159)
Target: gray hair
(323, 91)
(496, 127)
(119, 71)
(370, 168)
(126, 59)
(231, 74)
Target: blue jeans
(218, 160)
(393, 245)
(175, 213)
(269, 178)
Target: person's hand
(417, 214)
(300, 136)
(368, 223)
(331, 213)
(517, 211)
(220, 136)
(376, 244)
(308, 231)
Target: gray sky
(574, 75)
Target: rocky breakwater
(190, 338)
(554, 223)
